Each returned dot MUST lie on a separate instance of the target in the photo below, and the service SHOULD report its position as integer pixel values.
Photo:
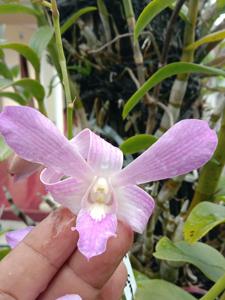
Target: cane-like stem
(62, 62)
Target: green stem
(189, 35)
(41, 107)
(215, 290)
(211, 172)
(62, 62)
(128, 7)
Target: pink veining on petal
(186, 146)
(93, 235)
(70, 297)
(135, 206)
(101, 155)
(69, 192)
(35, 138)
(14, 237)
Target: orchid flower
(85, 174)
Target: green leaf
(220, 5)
(26, 51)
(137, 143)
(163, 73)
(40, 39)
(76, 16)
(158, 289)
(4, 252)
(202, 219)
(207, 259)
(149, 13)
(210, 38)
(4, 71)
(14, 96)
(5, 151)
(4, 82)
(30, 85)
(15, 70)
(17, 9)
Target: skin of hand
(47, 265)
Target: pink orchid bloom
(85, 174)
(70, 297)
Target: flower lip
(100, 191)
(100, 198)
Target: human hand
(47, 265)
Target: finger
(99, 269)
(113, 289)
(27, 270)
(86, 278)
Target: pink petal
(69, 192)
(94, 234)
(186, 146)
(100, 155)
(13, 238)
(35, 138)
(70, 297)
(135, 206)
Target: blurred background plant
(172, 52)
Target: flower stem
(215, 290)
(211, 172)
(62, 62)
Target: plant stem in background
(170, 30)
(52, 49)
(211, 172)
(180, 84)
(62, 61)
(139, 62)
(216, 114)
(215, 290)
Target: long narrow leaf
(163, 73)
(26, 51)
(203, 218)
(149, 13)
(14, 96)
(30, 85)
(40, 39)
(75, 16)
(210, 38)
(207, 259)
(137, 143)
(17, 9)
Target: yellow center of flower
(100, 195)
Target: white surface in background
(54, 103)
(131, 285)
